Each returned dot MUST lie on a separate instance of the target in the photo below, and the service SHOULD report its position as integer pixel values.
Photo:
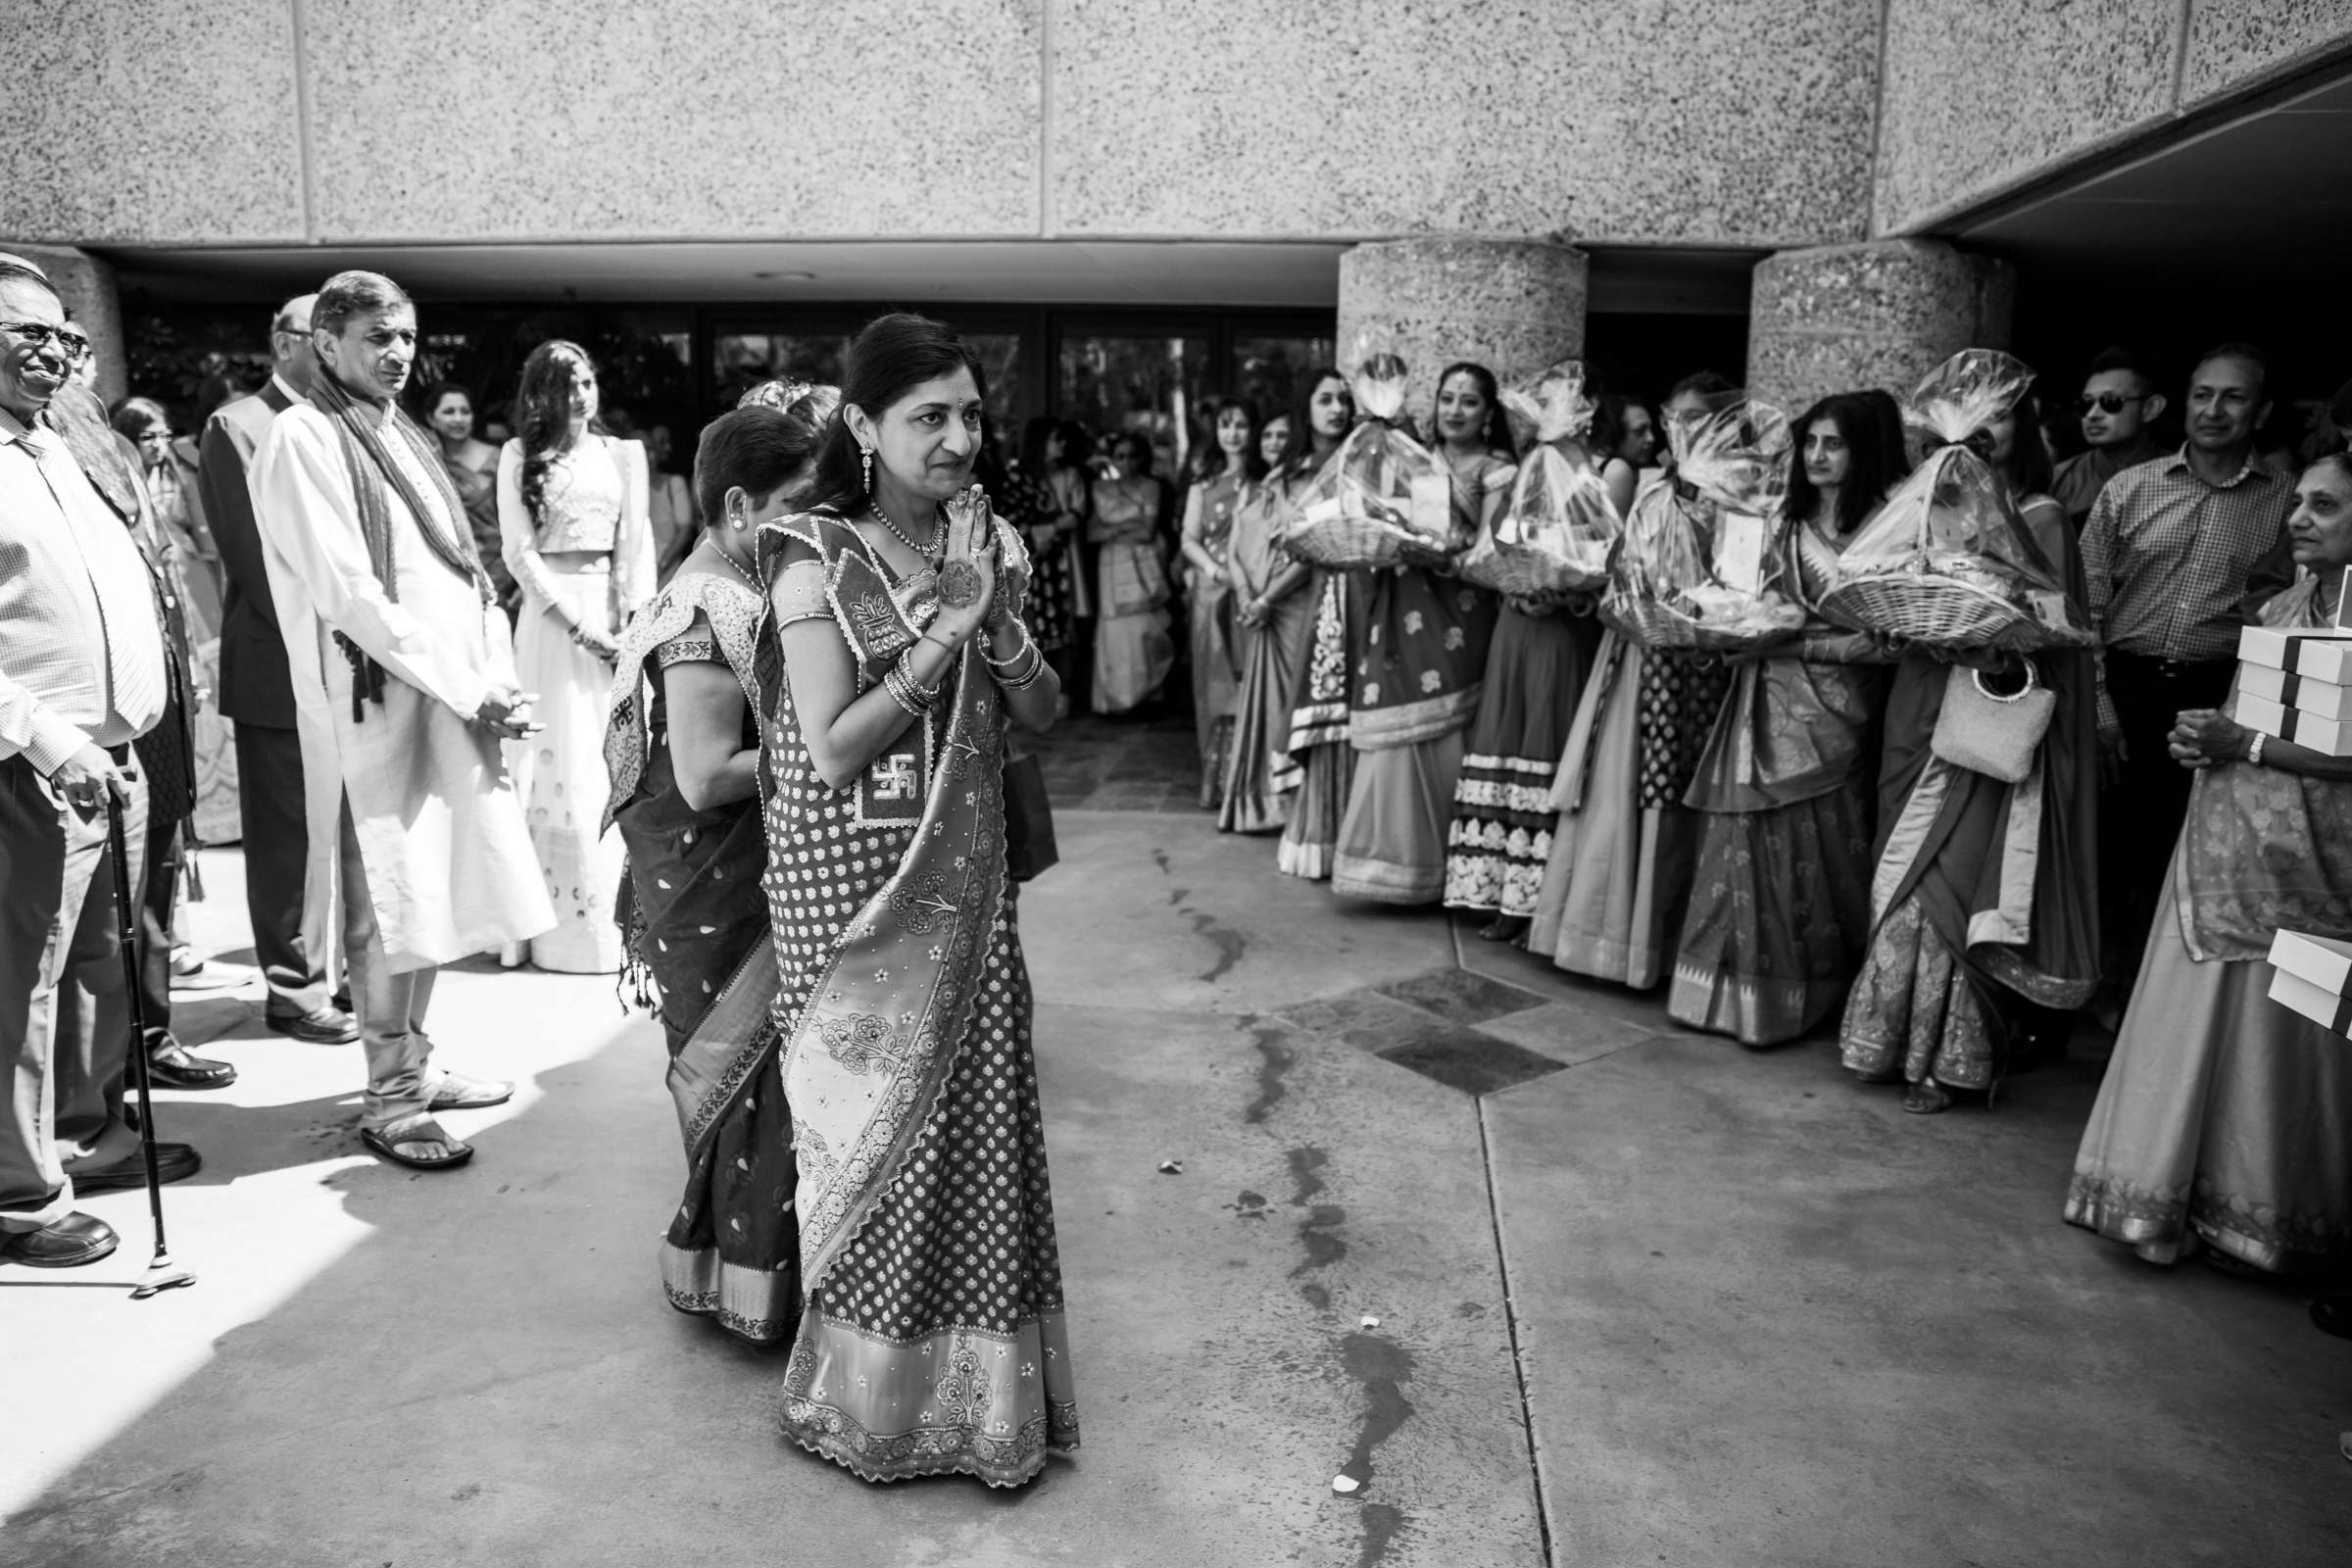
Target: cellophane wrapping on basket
(1946, 560)
(1381, 498)
(1553, 537)
(1701, 564)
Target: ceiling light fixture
(785, 277)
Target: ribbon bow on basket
(1701, 564)
(1554, 535)
(1948, 561)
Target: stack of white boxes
(2314, 976)
(2296, 684)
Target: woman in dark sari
(683, 753)
(931, 1338)
(1780, 906)
(1984, 903)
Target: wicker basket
(1655, 624)
(1527, 573)
(1938, 612)
(1349, 539)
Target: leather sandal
(409, 1132)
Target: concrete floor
(1435, 1198)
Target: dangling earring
(736, 522)
(866, 456)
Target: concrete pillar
(1515, 306)
(1881, 313)
(89, 286)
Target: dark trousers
(167, 853)
(65, 1019)
(289, 929)
(2141, 814)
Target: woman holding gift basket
(1319, 756)
(1275, 599)
(1624, 848)
(1546, 554)
(2221, 1123)
(931, 1336)
(1419, 636)
(1984, 899)
(1779, 910)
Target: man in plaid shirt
(2178, 553)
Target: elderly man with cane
(82, 674)
(403, 690)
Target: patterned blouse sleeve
(698, 643)
(800, 593)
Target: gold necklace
(740, 569)
(922, 553)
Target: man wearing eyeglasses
(82, 674)
(287, 896)
(2178, 553)
(2119, 409)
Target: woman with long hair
(931, 1337)
(1228, 466)
(1273, 619)
(575, 532)
(2221, 1122)
(1625, 441)
(472, 466)
(1420, 636)
(1779, 910)
(1133, 648)
(1317, 763)
(1624, 847)
(682, 754)
(1986, 925)
(1502, 816)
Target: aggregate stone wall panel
(692, 119)
(1978, 97)
(1883, 315)
(1514, 305)
(1659, 122)
(129, 122)
(2233, 44)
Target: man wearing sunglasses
(83, 673)
(2119, 409)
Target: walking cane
(162, 1273)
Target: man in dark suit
(291, 934)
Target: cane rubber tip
(161, 1277)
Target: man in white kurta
(409, 792)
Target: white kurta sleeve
(518, 539)
(633, 570)
(310, 522)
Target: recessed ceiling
(2266, 195)
(1133, 273)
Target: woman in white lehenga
(573, 525)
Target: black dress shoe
(171, 1065)
(70, 1242)
(173, 1162)
(321, 1026)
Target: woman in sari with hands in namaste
(931, 1337)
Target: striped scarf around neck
(369, 461)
